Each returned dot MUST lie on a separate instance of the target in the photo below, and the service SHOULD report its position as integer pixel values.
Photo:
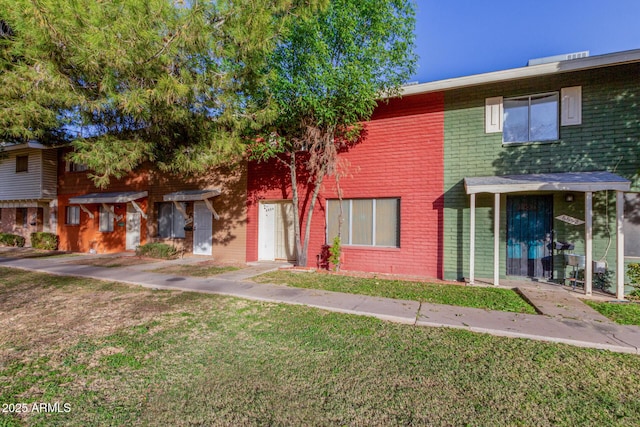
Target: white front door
(202, 229)
(266, 232)
(275, 232)
(133, 228)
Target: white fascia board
(599, 61)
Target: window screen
(170, 221)
(72, 215)
(106, 220)
(365, 222)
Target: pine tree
(126, 81)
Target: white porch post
(496, 239)
(619, 245)
(472, 240)
(588, 237)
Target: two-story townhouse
(541, 154)
(480, 176)
(200, 215)
(27, 189)
(392, 204)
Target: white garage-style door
(276, 238)
(202, 229)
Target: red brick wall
(402, 155)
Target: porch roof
(567, 181)
(120, 197)
(191, 195)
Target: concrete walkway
(565, 319)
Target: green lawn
(623, 313)
(123, 355)
(467, 296)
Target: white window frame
(72, 218)
(569, 114)
(110, 218)
(529, 97)
(346, 240)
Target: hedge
(7, 239)
(42, 240)
(157, 250)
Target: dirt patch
(40, 314)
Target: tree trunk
(296, 213)
(302, 249)
(307, 228)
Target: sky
(463, 37)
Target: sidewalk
(566, 320)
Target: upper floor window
(531, 118)
(77, 167)
(22, 164)
(365, 222)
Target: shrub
(157, 250)
(7, 239)
(335, 250)
(633, 272)
(42, 240)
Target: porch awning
(191, 195)
(121, 197)
(568, 181)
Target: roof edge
(591, 62)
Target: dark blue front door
(529, 239)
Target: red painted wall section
(401, 155)
(86, 235)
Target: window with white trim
(530, 118)
(533, 118)
(364, 222)
(106, 220)
(72, 215)
(171, 222)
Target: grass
(123, 355)
(200, 269)
(622, 313)
(113, 262)
(467, 296)
(10, 252)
